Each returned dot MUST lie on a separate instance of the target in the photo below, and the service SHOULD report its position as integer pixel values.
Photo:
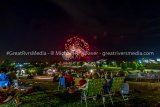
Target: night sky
(107, 25)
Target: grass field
(144, 94)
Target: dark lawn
(143, 96)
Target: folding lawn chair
(115, 87)
(94, 88)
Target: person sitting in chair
(125, 88)
(82, 81)
(110, 82)
(105, 85)
(84, 86)
(62, 81)
(69, 79)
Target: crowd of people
(10, 76)
(107, 78)
(89, 75)
(8, 84)
(9, 80)
(144, 75)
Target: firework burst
(78, 47)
